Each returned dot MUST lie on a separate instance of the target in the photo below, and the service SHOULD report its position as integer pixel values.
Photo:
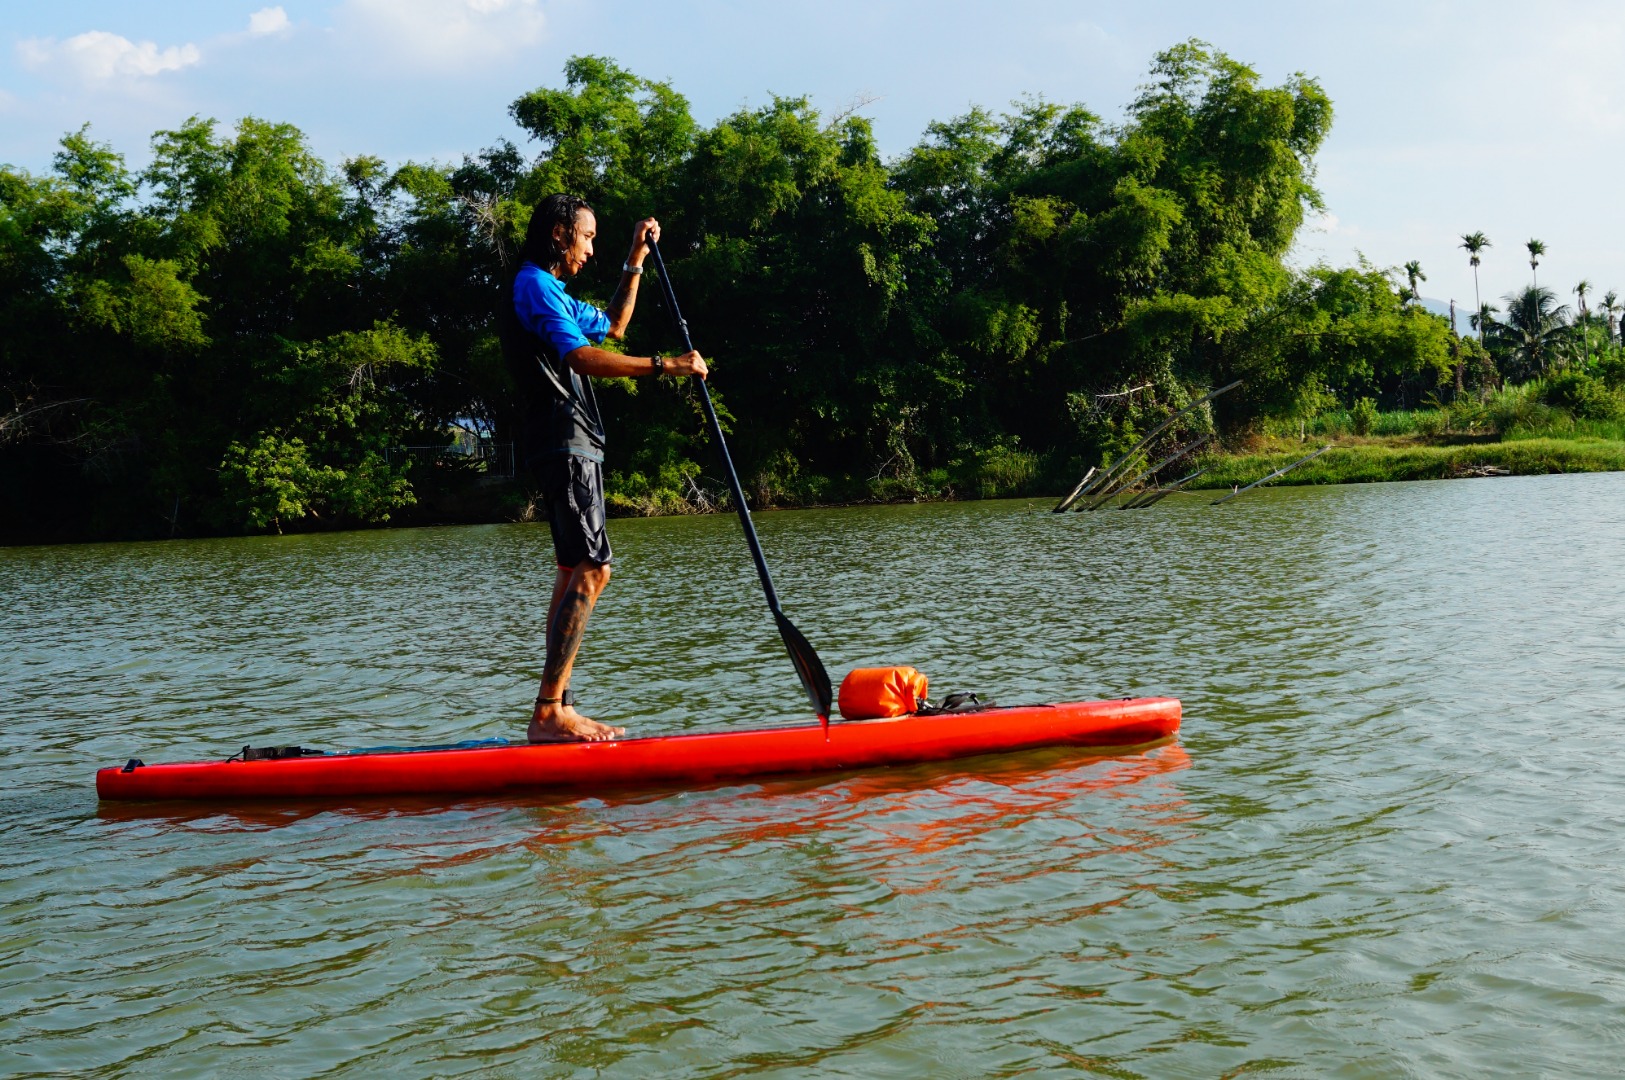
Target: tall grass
(1564, 427)
(1340, 424)
(999, 471)
(1370, 463)
(1515, 413)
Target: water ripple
(1384, 845)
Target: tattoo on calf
(564, 636)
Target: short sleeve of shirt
(547, 311)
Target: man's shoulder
(532, 278)
(538, 283)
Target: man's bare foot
(561, 723)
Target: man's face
(577, 254)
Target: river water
(1385, 843)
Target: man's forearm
(621, 305)
(603, 364)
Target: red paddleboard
(657, 761)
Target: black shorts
(573, 499)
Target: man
(551, 341)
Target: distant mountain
(1442, 307)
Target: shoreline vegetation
(1462, 442)
(1350, 460)
(1387, 460)
(1417, 446)
(243, 338)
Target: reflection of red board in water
(657, 761)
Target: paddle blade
(809, 669)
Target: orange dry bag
(873, 693)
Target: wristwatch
(658, 363)
(628, 268)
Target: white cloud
(447, 33)
(268, 21)
(98, 56)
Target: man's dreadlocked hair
(539, 246)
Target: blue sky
(1505, 117)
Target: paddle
(814, 679)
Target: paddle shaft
(722, 444)
(809, 669)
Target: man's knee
(592, 576)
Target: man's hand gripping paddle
(814, 679)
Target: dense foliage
(241, 337)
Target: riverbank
(474, 500)
(1376, 460)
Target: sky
(1450, 117)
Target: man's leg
(575, 592)
(561, 585)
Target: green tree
(609, 136)
(794, 258)
(240, 336)
(1536, 250)
(1612, 308)
(174, 326)
(1414, 275)
(1525, 345)
(328, 453)
(1475, 243)
(1239, 159)
(1582, 320)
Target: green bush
(673, 489)
(1399, 422)
(1467, 414)
(1516, 407)
(780, 482)
(1430, 422)
(1581, 396)
(275, 483)
(1363, 416)
(1611, 367)
(998, 471)
(1333, 425)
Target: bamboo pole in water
(1278, 472)
(1060, 507)
(1105, 497)
(1153, 497)
(1122, 465)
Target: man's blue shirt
(562, 415)
(553, 315)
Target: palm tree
(1413, 272)
(1583, 320)
(1536, 324)
(1536, 249)
(1612, 308)
(1484, 322)
(1475, 243)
